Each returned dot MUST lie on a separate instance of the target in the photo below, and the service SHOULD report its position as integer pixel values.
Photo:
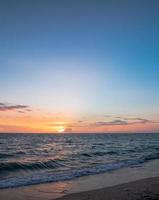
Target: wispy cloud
(68, 129)
(125, 121)
(79, 121)
(110, 123)
(107, 115)
(10, 107)
(122, 118)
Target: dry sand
(145, 189)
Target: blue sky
(88, 57)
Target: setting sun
(61, 130)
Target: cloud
(124, 121)
(28, 109)
(143, 121)
(110, 123)
(134, 118)
(9, 107)
(80, 121)
(21, 111)
(107, 115)
(68, 130)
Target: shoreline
(144, 189)
(49, 191)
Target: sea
(29, 159)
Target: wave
(151, 157)
(102, 153)
(14, 166)
(47, 177)
(99, 153)
(5, 155)
(51, 164)
(69, 174)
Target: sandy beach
(145, 189)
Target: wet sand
(145, 189)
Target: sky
(79, 66)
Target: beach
(79, 105)
(146, 189)
(140, 182)
(78, 166)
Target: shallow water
(27, 159)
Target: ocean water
(27, 159)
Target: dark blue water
(27, 159)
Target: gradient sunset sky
(79, 66)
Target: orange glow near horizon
(39, 122)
